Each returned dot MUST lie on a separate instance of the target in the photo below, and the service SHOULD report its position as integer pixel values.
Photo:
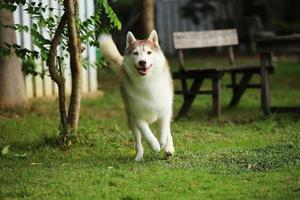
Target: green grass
(242, 155)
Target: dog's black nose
(142, 63)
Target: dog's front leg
(166, 140)
(164, 124)
(169, 148)
(148, 135)
(138, 142)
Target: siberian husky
(146, 89)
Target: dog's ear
(129, 39)
(153, 37)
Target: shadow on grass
(242, 115)
(230, 161)
(227, 161)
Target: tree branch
(54, 72)
(52, 54)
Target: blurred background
(242, 154)
(252, 19)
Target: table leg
(190, 97)
(265, 59)
(240, 89)
(216, 97)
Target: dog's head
(142, 54)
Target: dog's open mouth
(143, 70)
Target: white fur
(147, 98)
(110, 52)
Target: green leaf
(113, 19)
(24, 155)
(5, 150)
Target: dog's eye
(135, 53)
(149, 52)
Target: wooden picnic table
(265, 47)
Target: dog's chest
(149, 99)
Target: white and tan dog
(146, 88)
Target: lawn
(241, 155)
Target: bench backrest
(203, 39)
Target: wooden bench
(266, 47)
(208, 39)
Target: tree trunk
(57, 77)
(75, 63)
(12, 88)
(148, 16)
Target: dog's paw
(162, 141)
(169, 150)
(138, 158)
(155, 146)
(162, 144)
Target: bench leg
(240, 89)
(264, 77)
(189, 98)
(216, 97)
(233, 81)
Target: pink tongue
(143, 71)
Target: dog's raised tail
(110, 52)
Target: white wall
(36, 86)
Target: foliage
(285, 28)
(29, 67)
(90, 28)
(5, 150)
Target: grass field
(242, 155)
